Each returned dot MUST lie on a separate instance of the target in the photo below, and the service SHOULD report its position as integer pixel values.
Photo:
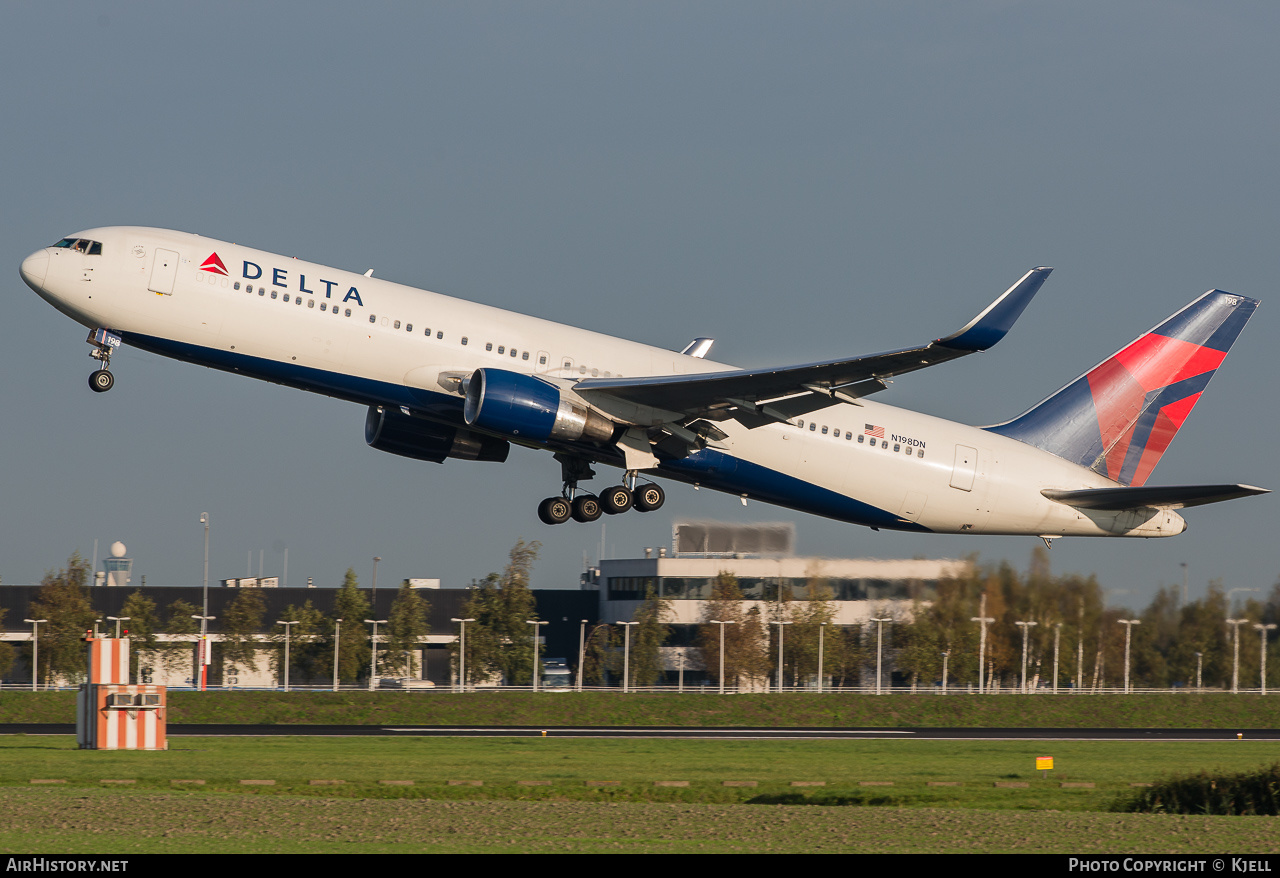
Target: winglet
(994, 323)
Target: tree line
(63, 600)
(1068, 625)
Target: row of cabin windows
(408, 327)
(502, 350)
(863, 438)
(297, 300)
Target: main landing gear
(104, 343)
(588, 507)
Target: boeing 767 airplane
(442, 378)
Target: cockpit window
(81, 245)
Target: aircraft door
(965, 467)
(164, 270)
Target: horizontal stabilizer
(1170, 497)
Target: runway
(709, 733)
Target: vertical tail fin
(1120, 416)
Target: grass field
(564, 813)
(1217, 710)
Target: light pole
(1026, 627)
(582, 651)
(1235, 659)
(626, 654)
(535, 650)
(337, 641)
(946, 654)
(203, 652)
(204, 608)
(373, 591)
(1237, 623)
(373, 667)
(1057, 636)
(462, 654)
(1199, 661)
(1128, 631)
(1262, 631)
(780, 623)
(287, 631)
(722, 624)
(35, 650)
(118, 620)
(879, 649)
(984, 620)
(822, 627)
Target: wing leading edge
(739, 393)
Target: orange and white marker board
(112, 714)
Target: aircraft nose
(34, 268)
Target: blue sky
(797, 180)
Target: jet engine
(530, 408)
(390, 430)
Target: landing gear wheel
(554, 510)
(650, 497)
(586, 508)
(101, 381)
(616, 500)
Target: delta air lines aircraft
(443, 378)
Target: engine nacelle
(394, 432)
(528, 407)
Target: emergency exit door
(163, 272)
(965, 467)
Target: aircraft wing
(1170, 497)
(745, 394)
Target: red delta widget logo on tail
(1158, 379)
(1119, 417)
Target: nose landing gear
(102, 380)
(104, 344)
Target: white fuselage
(380, 343)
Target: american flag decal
(873, 430)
